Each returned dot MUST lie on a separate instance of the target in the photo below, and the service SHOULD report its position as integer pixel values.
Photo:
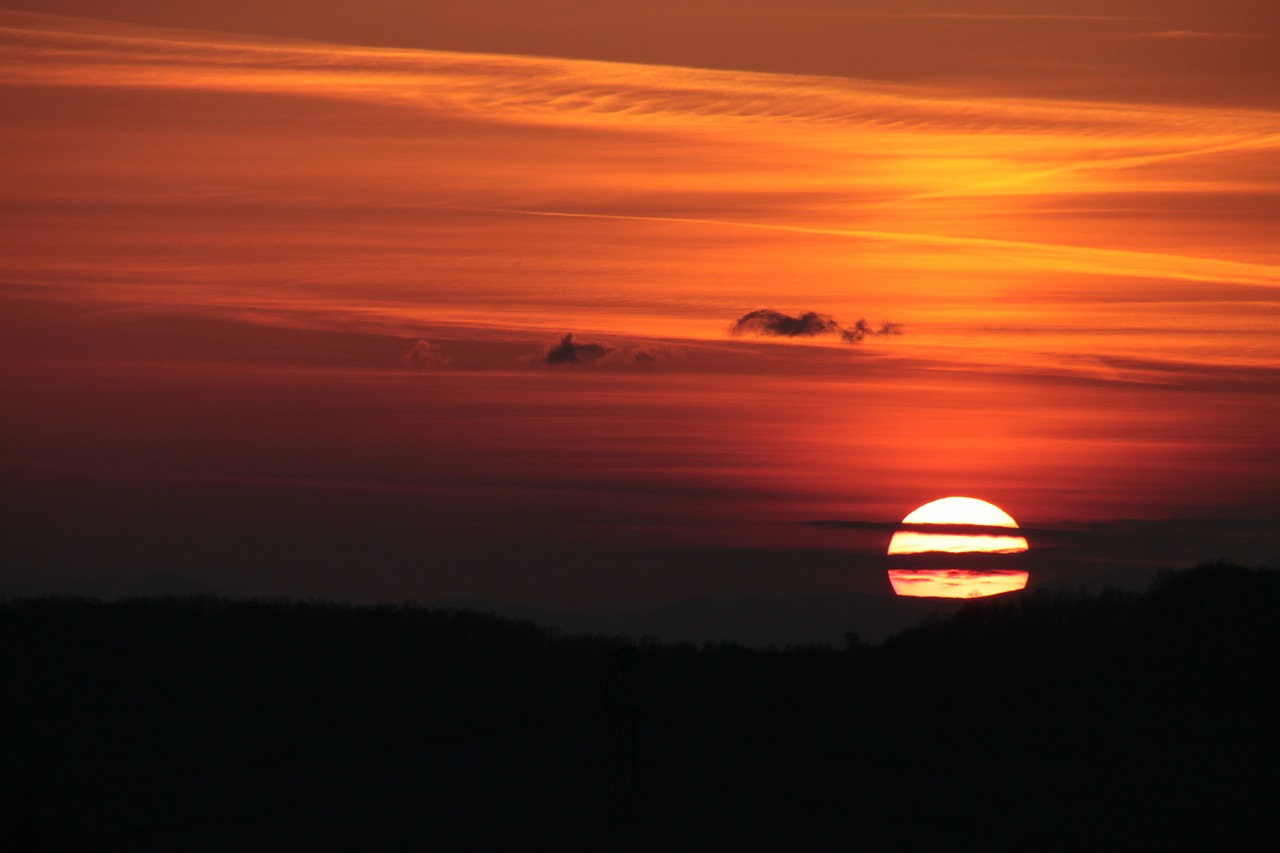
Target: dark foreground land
(1043, 721)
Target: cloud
(527, 90)
(568, 352)
(981, 16)
(649, 355)
(424, 356)
(766, 321)
(1191, 34)
(862, 329)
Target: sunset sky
(412, 299)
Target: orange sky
(1071, 215)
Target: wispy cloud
(1026, 255)
(425, 356)
(825, 10)
(986, 16)
(1193, 35)
(39, 49)
(997, 204)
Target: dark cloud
(647, 356)
(424, 356)
(569, 352)
(766, 321)
(862, 329)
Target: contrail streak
(1122, 262)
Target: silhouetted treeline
(1034, 721)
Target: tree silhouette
(1051, 719)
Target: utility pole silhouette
(621, 711)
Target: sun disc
(957, 510)
(924, 560)
(911, 542)
(955, 583)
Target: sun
(970, 512)
(960, 511)
(933, 561)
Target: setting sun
(937, 576)
(960, 511)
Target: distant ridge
(1057, 719)
(751, 621)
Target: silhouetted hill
(1047, 720)
(750, 621)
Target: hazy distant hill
(751, 621)
(1050, 720)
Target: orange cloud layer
(1088, 288)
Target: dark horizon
(1065, 719)
(72, 534)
